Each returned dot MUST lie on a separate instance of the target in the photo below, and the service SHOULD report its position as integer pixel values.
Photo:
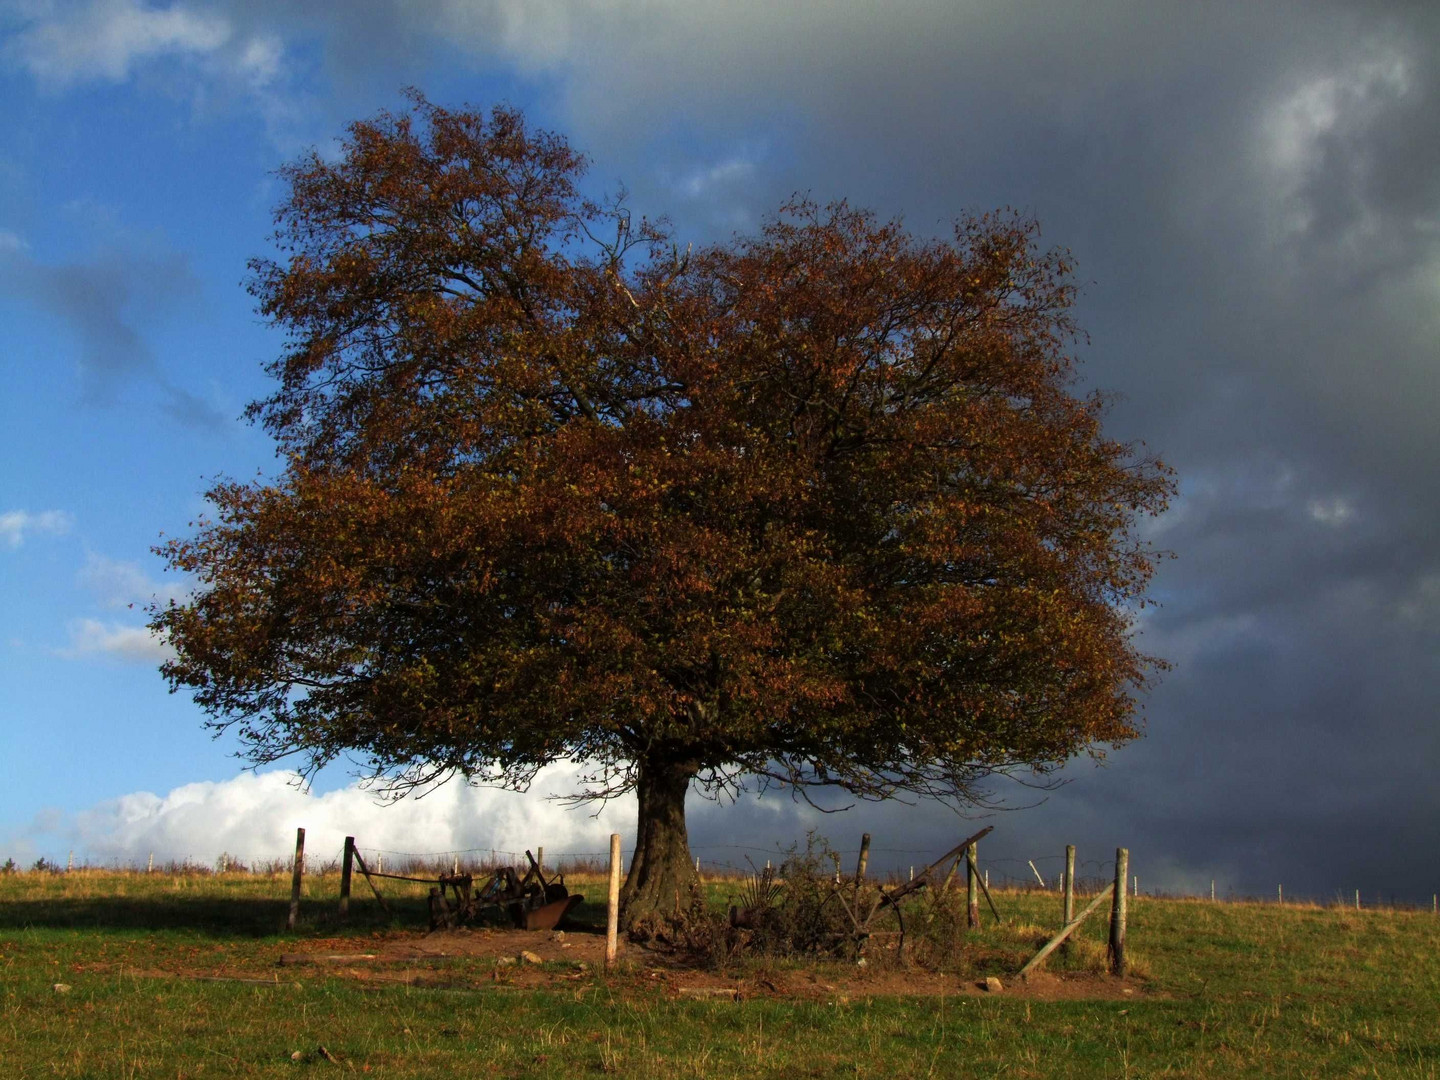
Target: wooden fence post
(612, 915)
(972, 898)
(345, 866)
(360, 861)
(1069, 883)
(864, 859)
(540, 859)
(295, 876)
(1063, 936)
(1069, 902)
(1117, 913)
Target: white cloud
(1421, 608)
(254, 817)
(1334, 511)
(726, 173)
(135, 644)
(15, 524)
(9, 241)
(65, 43)
(105, 39)
(1300, 130)
(120, 584)
(259, 61)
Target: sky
(1251, 192)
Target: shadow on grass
(239, 917)
(247, 917)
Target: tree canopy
(817, 506)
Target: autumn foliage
(816, 506)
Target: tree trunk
(661, 871)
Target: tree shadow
(241, 917)
(237, 917)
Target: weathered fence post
(1069, 883)
(972, 898)
(1069, 888)
(345, 866)
(295, 877)
(864, 859)
(540, 859)
(612, 916)
(1117, 913)
(1063, 936)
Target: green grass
(1228, 990)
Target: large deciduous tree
(816, 506)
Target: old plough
(532, 901)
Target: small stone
(1127, 990)
(860, 962)
(528, 957)
(558, 935)
(504, 961)
(297, 1056)
(993, 985)
(61, 988)
(582, 966)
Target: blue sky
(1252, 193)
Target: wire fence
(1040, 873)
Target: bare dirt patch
(527, 959)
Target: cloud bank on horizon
(253, 817)
(1252, 192)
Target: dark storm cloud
(1252, 192)
(1253, 198)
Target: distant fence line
(1011, 874)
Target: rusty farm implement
(532, 901)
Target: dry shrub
(799, 910)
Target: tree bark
(661, 870)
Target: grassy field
(175, 975)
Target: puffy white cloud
(254, 816)
(66, 43)
(16, 524)
(105, 39)
(134, 644)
